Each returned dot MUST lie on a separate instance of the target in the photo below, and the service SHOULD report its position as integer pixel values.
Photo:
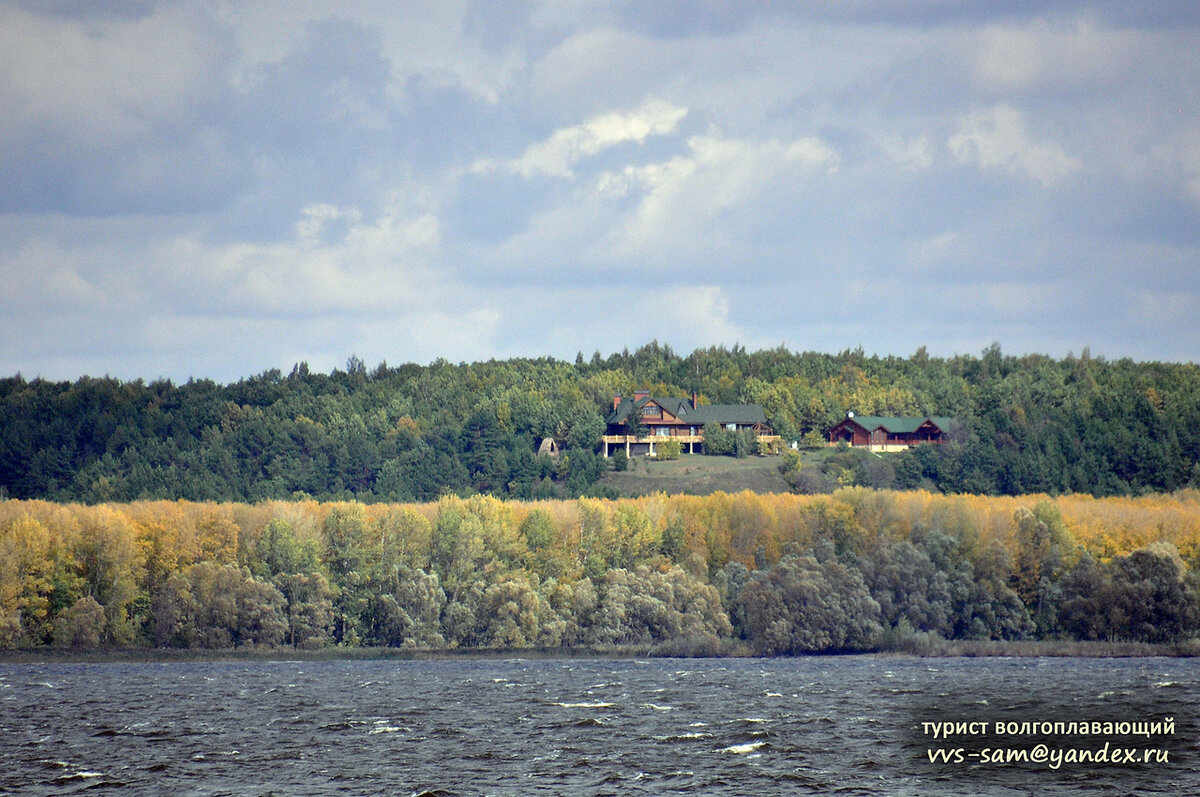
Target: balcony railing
(682, 438)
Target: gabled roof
(727, 413)
(677, 407)
(681, 408)
(899, 425)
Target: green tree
(109, 565)
(1156, 595)
(801, 605)
(82, 625)
(405, 608)
(1043, 547)
(1089, 608)
(718, 440)
(908, 587)
(673, 539)
(219, 606)
(309, 608)
(668, 450)
(261, 612)
(635, 426)
(277, 550)
(30, 568)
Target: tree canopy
(772, 574)
(1029, 424)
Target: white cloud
(47, 275)
(182, 184)
(689, 211)
(1014, 299)
(615, 185)
(936, 251)
(911, 154)
(685, 196)
(567, 146)
(457, 331)
(698, 313)
(335, 262)
(371, 268)
(1038, 55)
(317, 218)
(595, 66)
(342, 283)
(996, 138)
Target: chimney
(616, 401)
(695, 400)
(640, 394)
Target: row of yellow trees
(481, 571)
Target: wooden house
(677, 419)
(879, 433)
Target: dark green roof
(900, 425)
(681, 408)
(727, 413)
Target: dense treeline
(857, 570)
(1030, 424)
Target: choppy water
(846, 725)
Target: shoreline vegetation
(942, 649)
(856, 571)
(419, 508)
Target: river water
(848, 725)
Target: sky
(215, 189)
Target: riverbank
(971, 648)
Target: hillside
(695, 474)
(1029, 424)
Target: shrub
(81, 626)
(767, 448)
(813, 441)
(668, 449)
(718, 440)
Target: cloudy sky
(213, 189)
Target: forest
(1029, 424)
(856, 570)
(408, 507)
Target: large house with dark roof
(677, 419)
(879, 433)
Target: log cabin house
(678, 419)
(890, 434)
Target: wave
(742, 749)
(83, 774)
(386, 729)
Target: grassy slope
(695, 474)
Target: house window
(652, 411)
(662, 431)
(732, 427)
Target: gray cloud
(206, 190)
